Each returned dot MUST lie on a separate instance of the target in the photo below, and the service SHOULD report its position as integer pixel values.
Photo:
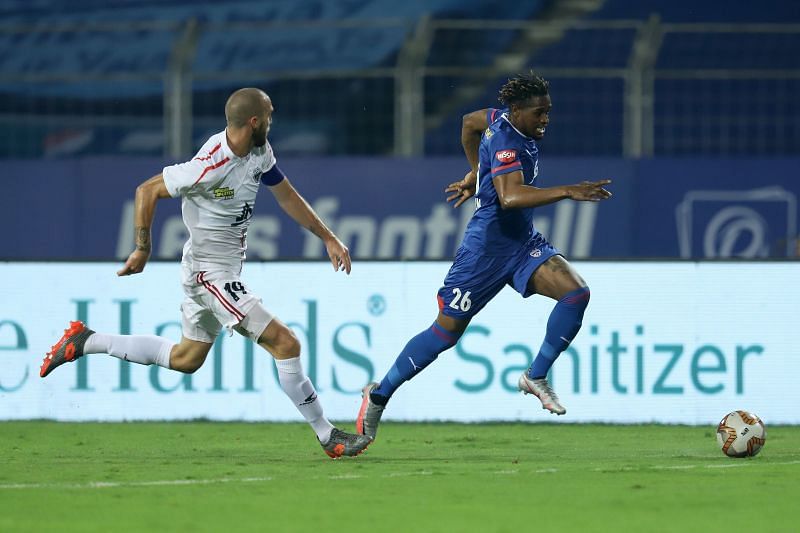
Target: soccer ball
(741, 434)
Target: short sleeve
(182, 177)
(504, 153)
(493, 114)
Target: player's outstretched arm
(589, 191)
(144, 209)
(512, 192)
(296, 207)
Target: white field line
(117, 484)
(216, 481)
(167, 482)
(734, 464)
(406, 474)
(346, 476)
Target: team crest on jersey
(506, 156)
(223, 193)
(256, 174)
(489, 133)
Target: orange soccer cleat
(68, 348)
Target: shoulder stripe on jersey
(494, 114)
(211, 167)
(212, 152)
(510, 165)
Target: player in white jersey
(218, 190)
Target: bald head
(244, 104)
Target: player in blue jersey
(500, 246)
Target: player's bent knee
(286, 343)
(186, 366)
(279, 340)
(587, 291)
(188, 356)
(186, 362)
(578, 297)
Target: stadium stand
(87, 48)
(97, 75)
(704, 73)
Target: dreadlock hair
(521, 88)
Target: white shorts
(217, 299)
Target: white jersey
(219, 193)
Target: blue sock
(562, 326)
(420, 351)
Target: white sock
(301, 391)
(142, 349)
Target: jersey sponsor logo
(506, 156)
(536, 252)
(223, 193)
(247, 212)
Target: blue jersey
(503, 149)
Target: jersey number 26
(461, 302)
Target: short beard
(259, 140)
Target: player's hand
(590, 191)
(135, 263)
(462, 190)
(339, 254)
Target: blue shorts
(474, 279)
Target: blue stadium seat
(732, 50)
(593, 48)
(703, 11)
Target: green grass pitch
(415, 477)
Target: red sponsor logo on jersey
(506, 156)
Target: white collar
(505, 117)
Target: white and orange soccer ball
(741, 434)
